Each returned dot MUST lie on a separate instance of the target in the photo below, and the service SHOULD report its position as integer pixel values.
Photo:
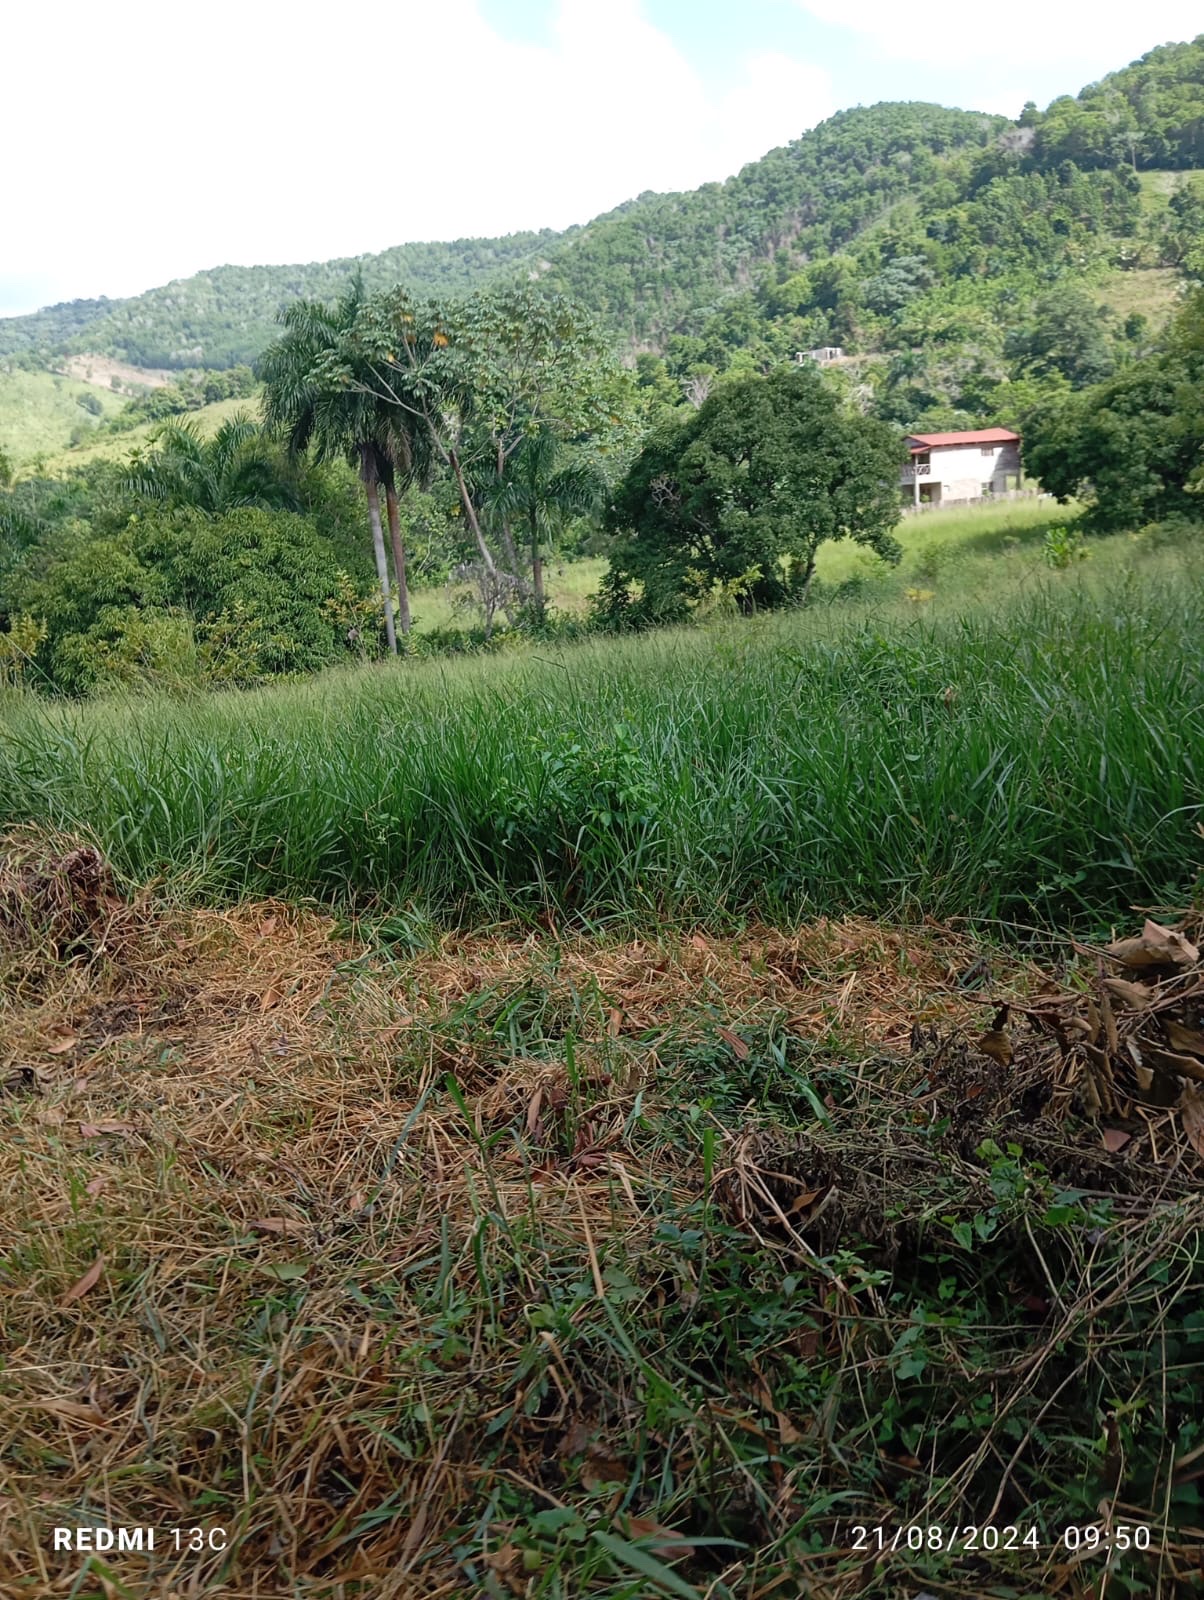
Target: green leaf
(641, 1561)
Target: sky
(145, 142)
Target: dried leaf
(1132, 996)
(91, 1129)
(664, 1541)
(74, 1411)
(808, 1197)
(1091, 1098)
(615, 1023)
(787, 1432)
(61, 1047)
(576, 1441)
(1181, 1038)
(1191, 1114)
(739, 1049)
(533, 1112)
(282, 1225)
(996, 1044)
(96, 1185)
(1111, 1037)
(267, 926)
(89, 1281)
(1093, 1021)
(1115, 1139)
(1156, 947)
(600, 1467)
(269, 999)
(699, 943)
(1169, 1061)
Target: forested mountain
(950, 251)
(226, 316)
(663, 263)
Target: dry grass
(342, 1252)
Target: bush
(236, 599)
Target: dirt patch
(101, 370)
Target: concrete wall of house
(962, 470)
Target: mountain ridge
(870, 187)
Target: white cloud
(162, 140)
(955, 32)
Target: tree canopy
(1132, 446)
(744, 493)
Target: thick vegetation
(225, 317)
(1132, 445)
(740, 497)
(1034, 762)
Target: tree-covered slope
(665, 258)
(226, 316)
(1150, 114)
(885, 228)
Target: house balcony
(922, 469)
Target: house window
(922, 459)
(988, 449)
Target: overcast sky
(144, 142)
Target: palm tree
(538, 495)
(303, 406)
(234, 467)
(404, 458)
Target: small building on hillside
(949, 467)
(823, 356)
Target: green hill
(40, 411)
(225, 316)
(935, 245)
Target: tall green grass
(1042, 763)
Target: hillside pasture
(117, 446)
(39, 410)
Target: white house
(948, 467)
(824, 356)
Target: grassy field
(116, 446)
(39, 410)
(1035, 758)
(965, 548)
(685, 1136)
(1153, 291)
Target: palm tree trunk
(536, 566)
(378, 550)
(399, 558)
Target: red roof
(928, 441)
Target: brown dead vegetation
(230, 1164)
